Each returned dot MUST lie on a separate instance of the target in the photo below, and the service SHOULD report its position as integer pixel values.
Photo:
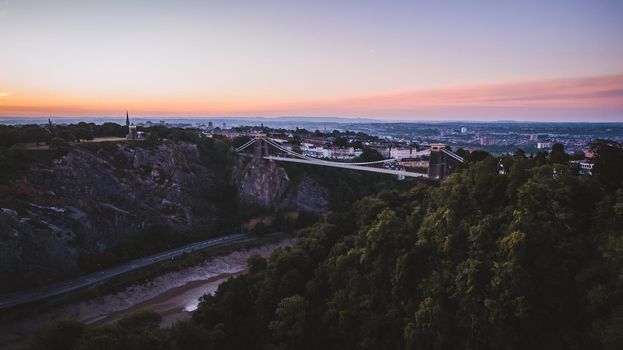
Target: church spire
(127, 118)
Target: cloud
(5, 94)
(594, 97)
(588, 92)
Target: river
(174, 295)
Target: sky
(544, 60)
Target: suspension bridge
(440, 164)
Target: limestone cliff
(90, 199)
(93, 198)
(266, 184)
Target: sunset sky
(395, 60)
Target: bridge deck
(349, 166)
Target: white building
(583, 167)
(402, 153)
(312, 150)
(543, 145)
(586, 168)
(341, 153)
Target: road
(44, 292)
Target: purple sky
(481, 60)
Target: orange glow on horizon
(588, 94)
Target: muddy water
(174, 295)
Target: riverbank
(173, 294)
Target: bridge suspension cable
(247, 144)
(283, 149)
(453, 155)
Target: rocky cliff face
(89, 200)
(266, 184)
(92, 198)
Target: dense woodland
(527, 260)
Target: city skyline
(486, 60)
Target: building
(581, 167)
(401, 153)
(342, 153)
(311, 150)
(319, 151)
(543, 145)
(463, 130)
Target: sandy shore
(173, 294)
(174, 304)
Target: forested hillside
(527, 260)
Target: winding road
(44, 292)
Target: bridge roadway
(348, 166)
(44, 292)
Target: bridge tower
(261, 147)
(438, 163)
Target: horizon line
(312, 118)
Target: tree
(256, 264)
(9, 136)
(340, 142)
(369, 155)
(83, 133)
(519, 153)
(62, 334)
(34, 133)
(608, 162)
(110, 129)
(429, 328)
(289, 326)
(462, 152)
(189, 335)
(59, 145)
(138, 331)
(478, 155)
(558, 154)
